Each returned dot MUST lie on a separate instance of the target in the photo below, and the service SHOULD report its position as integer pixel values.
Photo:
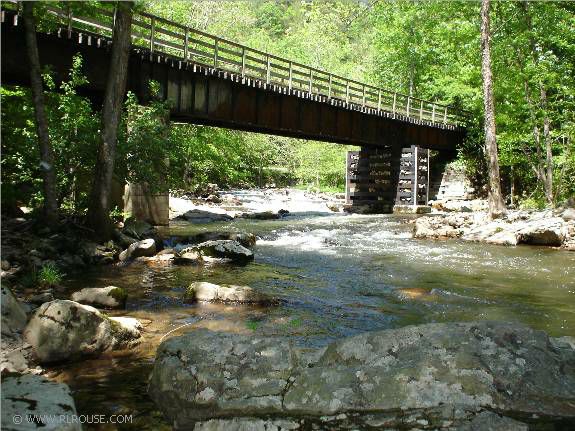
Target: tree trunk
(546, 173)
(99, 205)
(548, 183)
(496, 204)
(46, 152)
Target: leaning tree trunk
(99, 204)
(496, 204)
(46, 153)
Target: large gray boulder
(27, 396)
(62, 330)
(547, 231)
(146, 247)
(225, 249)
(109, 296)
(13, 315)
(428, 376)
(496, 232)
(210, 292)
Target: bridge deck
(211, 80)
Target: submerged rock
(201, 216)
(110, 296)
(188, 256)
(145, 248)
(246, 239)
(13, 315)
(266, 215)
(62, 329)
(428, 376)
(29, 396)
(204, 291)
(225, 249)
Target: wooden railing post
(290, 75)
(70, 22)
(243, 61)
(415, 184)
(379, 101)
(347, 91)
(216, 42)
(433, 114)
(186, 42)
(268, 72)
(407, 107)
(445, 116)
(363, 97)
(310, 80)
(421, 110)
(394, 102)
(152, 35)
(329, 87)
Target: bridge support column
(372, 179)
(141, 203)
(385, 180)
(413, 186)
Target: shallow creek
(337, 275)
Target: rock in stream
(434, 376)
(61, 330)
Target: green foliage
(321, 165)
(143, 150)
(532, 203)
(428, 49)
(73, 130)
(432, 50)
(49, 275)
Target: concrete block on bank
(143, 204)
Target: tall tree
(99, 205)
(496, 204)
(544, 170)
(46, 152)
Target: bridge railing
(162, 36)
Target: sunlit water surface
(336, 275)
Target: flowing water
(337, 275)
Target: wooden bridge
(210, 80)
